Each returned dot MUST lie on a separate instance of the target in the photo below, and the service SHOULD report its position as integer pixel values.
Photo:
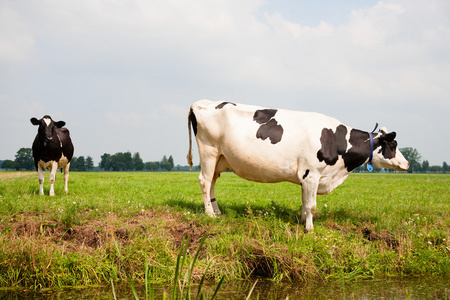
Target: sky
(122, 74)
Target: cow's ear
(34, 121)
(60, 124)
(389, 137)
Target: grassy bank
(114, 224)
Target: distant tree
(24, 159)
(137, 162)
(445, 167)
(435, 169)
(152, 165)
(74, 164)
(167, 163)
(425, 166)
(105, 162)
(117, 162)
(81, 163)
(128, 159)
(78, 163)
(164, 162)
(89, 163)
(122, 161)
(9, 164)
(170, 163)
(413, 157)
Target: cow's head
(47, 127)
(386, 153)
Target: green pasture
(114, 226)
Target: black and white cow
(273, 145)
(53, 149)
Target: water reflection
(392, 288)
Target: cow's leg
(52, 177)
(221, 166)
(205, 183)
(309, 194)
(208, 166)
(41, 180)
(214, 204)
(66, 177)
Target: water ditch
(387, 288)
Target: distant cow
(273, 145)
(53, 149)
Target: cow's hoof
(211, 214)
(309, 227)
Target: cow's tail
(191, 121)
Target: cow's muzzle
(403, 167)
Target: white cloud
(175, 110)
(376, 25)
(124, 119)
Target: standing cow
(53, 149)
(273, 145)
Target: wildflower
(430, 243)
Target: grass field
(112, 225)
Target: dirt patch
(98, 233)
(367, 231)
(384, 235)
(7, 175)
(195, 233)
(337, 227)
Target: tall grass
(116, 227)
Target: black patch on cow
(333, 144)
(193, 121)
(359, 151)
(388, 145)
(269, 126)
(221, 105)
(271, 130)
(264, 115)
(306, 173)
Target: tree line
(121, 161)
(125, 161)
(24, 161)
